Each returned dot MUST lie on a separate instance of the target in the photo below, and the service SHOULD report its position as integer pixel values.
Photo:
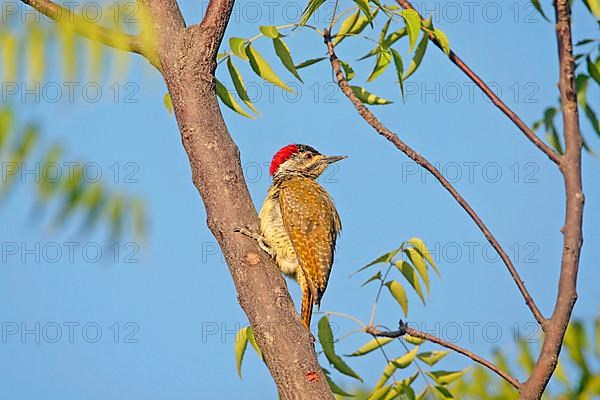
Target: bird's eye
(308, 156)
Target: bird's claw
(244, 230)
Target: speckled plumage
(300, 223)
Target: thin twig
(566, 297)
(406, 330)
(93, 31)
(372, 120)
(456, 60)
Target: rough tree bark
(188, 60)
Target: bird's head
(300, 160)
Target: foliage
(62, 187)
(358, 21)
(577, 375)
(385, 25)
(411, 261)
(588, 75)
(26, 46)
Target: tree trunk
(188, 62)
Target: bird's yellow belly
(272, 229)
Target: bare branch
(215, 21)
(552, 155)
(572, 230)
(372, 120)
(92, 31)
(405, 329)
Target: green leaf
(369, 98)
(326, 339)
(94, 200)
(576, 342)
(241, 342)
(27, 141)
(400, 362)
(6, 125)
(48, 185)
(384, 58)
(413, 25)
(399, 69)
(376, 277)
(561, 375)
(597, 333)
(269, 31)
(227, 98)
(167, 102)
(593, 70)
(346, 27)
(538, 7)
(446, 377)
(419, 54)
(417, 261)
(252, 341)
(594, 7)
(405, 360)
(401, 391)
(394, 37)
(422, 248)
(238, 83)
(581, 83)
(262, 68)
(384, 31)
(364, 7)
(116, 212)
(410, 379)
(371, 53)
(413, 340)
(237, 47)
(310, 62)
(379, 393)
(398, 292)
(383, 259)
(311, 7)
(411, 276)
(432, 357)
(335, 388)
(444, 392)
(370, 346)
(442, 40)
(423, 394)
(139, 217)
(361, 23)
(551, 132)
(525, 357)
(348, 70)
(283, 52)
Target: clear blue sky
(179, 298)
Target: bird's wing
(312, 224)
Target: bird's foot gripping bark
(262, 242)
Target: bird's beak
(332, 159)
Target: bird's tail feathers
(307, 307)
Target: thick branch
(92, 31)
(552, 155)
(188, 59)
(405, 329)
(572, 230)
(372, 120)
